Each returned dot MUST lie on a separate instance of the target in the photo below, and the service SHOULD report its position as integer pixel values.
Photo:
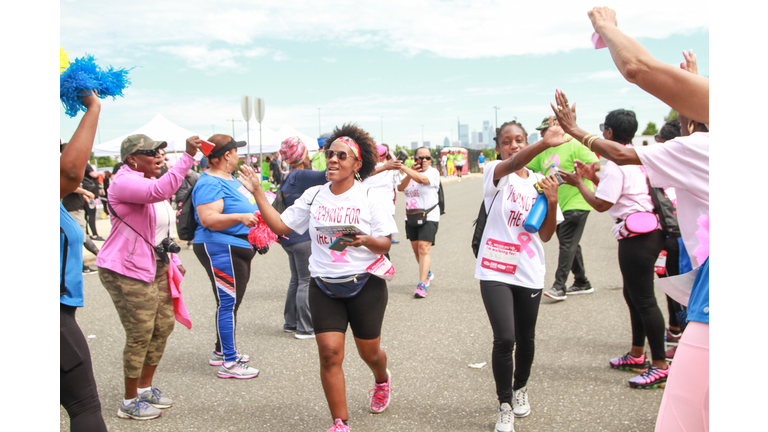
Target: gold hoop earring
(357, 176)
(690, 127)
(326, 174)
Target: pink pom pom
(702, 251)
(260, 235)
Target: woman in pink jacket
(134, 264)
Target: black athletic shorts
(363, 312)
(426, 232)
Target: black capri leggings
(512, 311)
(363, 312)
(673, 269)
(637, 256)
(77, 386)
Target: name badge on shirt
(500, 256)
(247, 194)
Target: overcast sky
(395, 68)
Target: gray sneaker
(156, 398)
(138, 409)
(217, 359)
(555, 294)
(573, 290)
(238, 370)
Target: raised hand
(690, 62)
(249, 179)
(90, 99)
(193, 144)
(566, 115)
(601, 17)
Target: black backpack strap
(64, 262)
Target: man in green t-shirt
(575, 211)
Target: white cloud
(457, 29)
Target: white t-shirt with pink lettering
(507, 252)
(419, 196)
(355, 207)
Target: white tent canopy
(159, 128)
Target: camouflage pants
(146, 312)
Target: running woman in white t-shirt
(510, 263)
(350, 157)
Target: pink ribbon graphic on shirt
(412, 204)
(702, 234)
(525, 239)
(338, 257)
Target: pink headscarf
(351, 143)
(292, 150)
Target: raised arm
(553, 138)
(611, 150)
(78, 150)
(251, 181)
(687, 93)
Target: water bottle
(536, 215)
(91, 204)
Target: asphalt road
(430, 344)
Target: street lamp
(496, 109)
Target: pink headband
(351, 143)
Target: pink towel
(179, 308)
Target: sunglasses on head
(150, 153)
(341, 154)
(424, 157)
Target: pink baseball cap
(382, 150)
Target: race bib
(247, 194)
(382, 268)
(500, 256)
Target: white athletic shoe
(505, 422)
(520, 404)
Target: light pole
(233, 126)
(496, 109)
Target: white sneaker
(238, 370)
(520, 404)
(505, 421)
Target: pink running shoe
(381, 395)
(339, 426)
(629, 363)
(650, 379)
(421, 291)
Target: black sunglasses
(603, 127)
(424, 157)
(341, 154)
(150, 153)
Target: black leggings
(637, 256)
(512, 311)
(90, 217)
(77, 386)
(673, 269)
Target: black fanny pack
(342, 287)
(418, 217)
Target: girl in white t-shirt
(351, 157)
(510, 263)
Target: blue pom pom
(85, 74)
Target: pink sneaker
(339, 426)
(650, 379)
(629, 363)
(421, 291)
(381, 395)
